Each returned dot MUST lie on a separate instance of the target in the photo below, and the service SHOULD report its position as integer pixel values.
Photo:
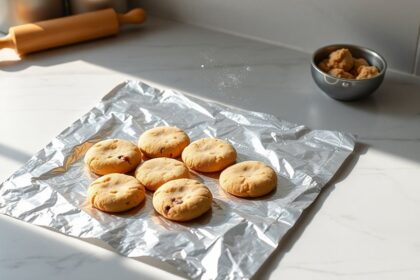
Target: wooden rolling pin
(33, 37)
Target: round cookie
(163, 141)
(156, 172)
(182, 200)
(209, 155)
(248, 179)
(115, 193)
(112, 156)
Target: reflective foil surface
(229, 242)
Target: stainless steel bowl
(346, 89)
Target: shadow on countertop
(14, 154)
(288, 241)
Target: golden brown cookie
(163, 141)
(156, 172)
(182, 200)
(115, 193)
(209, 155)
(112, 156)
(248, 179)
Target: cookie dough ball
(209, 155)
(182, 200)
(156, 172)
(359, 62)
(248, 179)
(115, 193)
(112, 156)
(341, 59)
(163, 141)
(324, 66)
(366, 72)
(340, 73)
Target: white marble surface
(364, 225)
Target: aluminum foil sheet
(232, 240)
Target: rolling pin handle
(132, 17)
(7, 42)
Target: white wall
(390, 27)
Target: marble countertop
(365, 223)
